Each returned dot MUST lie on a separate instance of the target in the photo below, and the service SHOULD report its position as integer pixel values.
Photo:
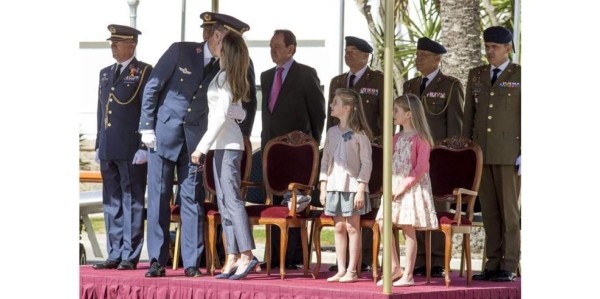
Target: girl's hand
(323, 194)
(359, 200)
(322, 197)
(396, 196)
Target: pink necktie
(276, 88)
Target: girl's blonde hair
(236, 59)
(356, 120)
(410, 102)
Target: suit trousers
(499, 190)
(160, 192)
(437, 243)
(234, 219)
(123, 191)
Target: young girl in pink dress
(344, 178)
(412, 205)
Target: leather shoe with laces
(156, 270)
(192, 272)
(485, 275)
(504, 275)
(437, 271)
(126, 265)
(294, 266)
(108, 264)
(419, 271)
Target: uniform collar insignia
(185, 71)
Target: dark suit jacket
(118, 113)
(370, 88)
(174, 103)
(300, 104)
(492, 115)
(443, 102)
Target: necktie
(423, 84)
(276, 88)
(117, 72)
(495, 76)
(351, 82)
(209, 66)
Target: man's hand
(149, 139)
(141, 157)
(236, 112)
(518, 165)
(97, 159)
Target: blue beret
(426, 44)
(360, 44)
(231, 23)
(120, 32)
(208, 19)
(497, 34)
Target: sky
(39, 149)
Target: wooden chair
(455, 167)
(290, 163)
(213, 218)
(367, 221)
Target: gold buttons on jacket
(181, 79)
(189, 109)
(110, 100)
(491, 105)
(200, 86)
(194, 97)
(489, 130)
(492, 93)
(112, 88)
(109, 111)
(109, 124)
(489, 117)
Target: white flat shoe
(395, 277)
(404, 283)
(336, 277)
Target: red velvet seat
(366, 221)
(455, 166)
(290, 163)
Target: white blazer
(222, 132)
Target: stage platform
(100, 284)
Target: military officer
(362, 79)
(207, 24)
(121, 154)
(369, 84)
(173, 120)
(442, 97)
(492, 118)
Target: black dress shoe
(192, 272)
(125, 265)
(419, 271)
(366, 268)
(485, 275)
(333, 268)
(504, 275)
(294, 266)
(108, 264)
(437, 271)
(156, 270)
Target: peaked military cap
(120, 32)
(360, 44)
(497, 34)
(426, 44)
(208, 18)
(231, 23)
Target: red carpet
(99, 284)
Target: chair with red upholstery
(455, 166)
(367, 221)
(290, 163)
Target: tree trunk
(461, 37)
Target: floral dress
(415, 206)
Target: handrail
(90, 176)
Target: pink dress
(415, 207)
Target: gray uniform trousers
(234, 219)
